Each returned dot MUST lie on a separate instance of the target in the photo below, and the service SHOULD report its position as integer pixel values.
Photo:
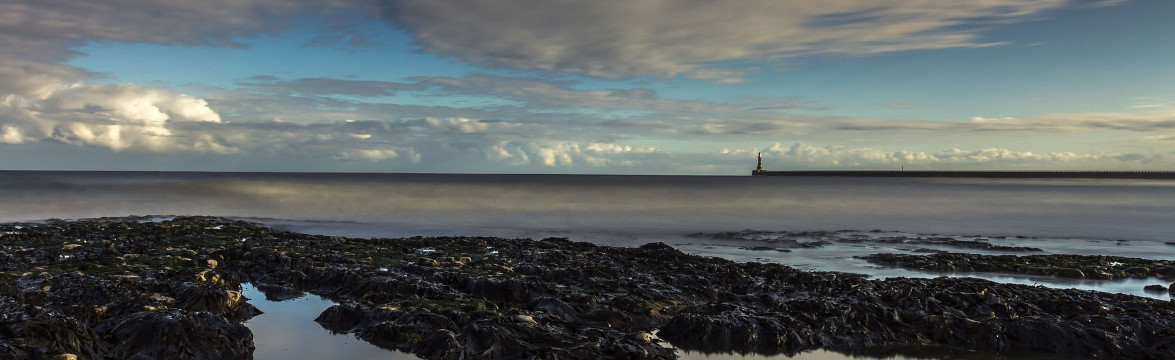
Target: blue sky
(616, 87)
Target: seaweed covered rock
(1058, 265)
(179, 334)
(275, 292)
(345, 317)
(227, 303)
(136, 287)
(29, 332)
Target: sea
(811, 223)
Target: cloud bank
(807, 156)
(622, 39)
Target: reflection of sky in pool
(287, 331)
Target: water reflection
(287, 331)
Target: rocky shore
(128, 288)
(1059, 265)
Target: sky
(586, 87)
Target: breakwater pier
(983, 174)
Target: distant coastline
(984, 174)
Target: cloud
(117, 117)
(1144, 121)
(378, 154)
(43, 100)
(50, 26)
(462, 125)
(569, 154)
(807, 156)
(624, 39)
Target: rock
(1155, 288)
(441, 344)
(407, 331)
(519, 298)
(278, 293)
(65, 357)
(179, 334)
(1171, 289)
(342, 318)
(228, 303)
(42, 331)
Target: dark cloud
(624, 39)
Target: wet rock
(227, 303)
(440, 344)
(758, 248)
(1067, 273)
(179, 334)
(408, 331)
(278, 293)
(1154, 288)
(1060, 265)
(345, 317)
(31, 332)
(489, 298)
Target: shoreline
(113, 284)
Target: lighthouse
(759, 169)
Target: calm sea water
(1119, 217)
(415, 204)
(1115, 217)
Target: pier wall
(1156, 175)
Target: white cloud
(378, 154)
(41, 99)
(618, 39)
(508, 152)
(458, 124)
(117, 117)
(12, 135)
(568, 154)
(807, 156)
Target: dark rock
(342, 318)
(1155, 288)
(228, 303)
(656, 246)
(759, 248)
(1066, 266)
(31, 332)
(278, 293)
(406, 331)
(179, 334)
(440, 344)
(490, 298)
